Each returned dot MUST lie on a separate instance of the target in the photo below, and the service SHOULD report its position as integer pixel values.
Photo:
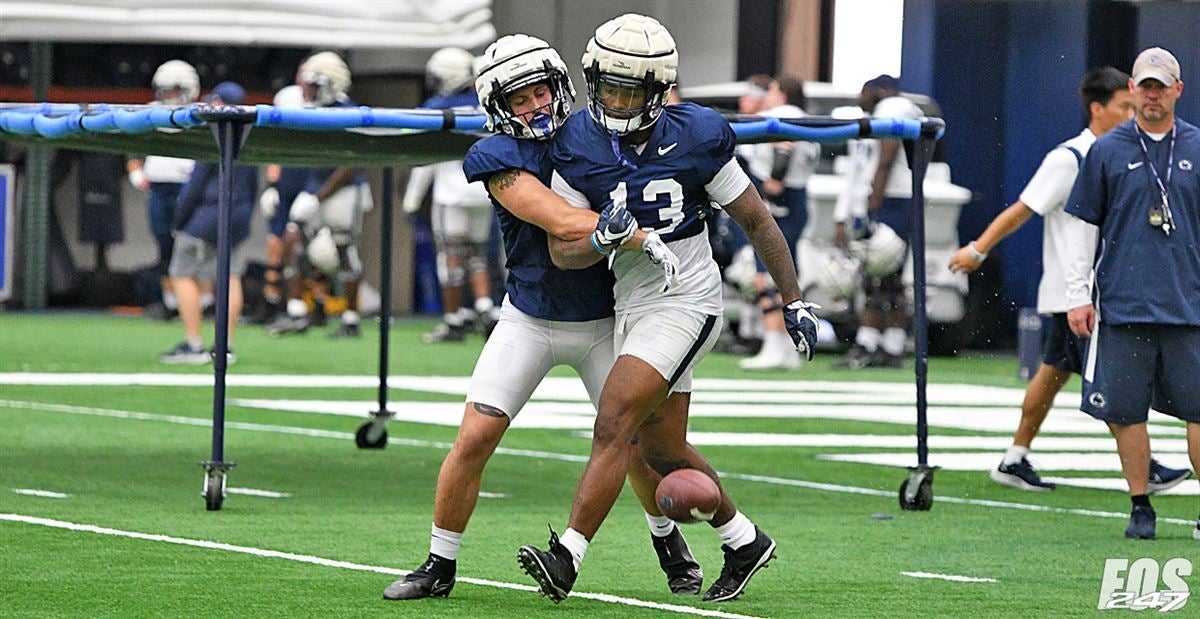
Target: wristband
(976, 255)
(597, 246)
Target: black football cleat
(434, 579)
(554, 570)
(684, 575)
(740, 565)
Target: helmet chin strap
(616, 148)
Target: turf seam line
(321, 561)
(346, 436)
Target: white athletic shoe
(772, 360)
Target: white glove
(268, 202)
(662, 256)
(304, 207)
(138, 179)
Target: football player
(326, 217)
(549, 316)
(175, 83)
(630, 153)
(461, 217)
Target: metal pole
(36, 218)
(385, 283)
(373, 433)
(921, 156)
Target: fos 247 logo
(1135, 586)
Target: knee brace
(477, 258)
(451, 271)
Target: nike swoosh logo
(1135, 165)
(662, 150)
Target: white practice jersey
(1046, 194)
(804, 155)
(167, 169)
(864, 159)
(450, 187)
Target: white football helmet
(329, 73)
(449, 71)
(840, 275)
(629, 67)
(511, 63)
(175, 82)
(882, 253)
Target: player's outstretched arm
(755, 220)
(970, 256)
(523, 195)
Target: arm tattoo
(490, 411)
(503, 180)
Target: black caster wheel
(213, 498)
(922, 500)
(364, 440)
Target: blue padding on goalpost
(363, 117)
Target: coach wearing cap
(1140, 185)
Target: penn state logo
(1185, 165)
(1097, 399)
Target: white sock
(1014, 454)
(738, 532)
(783, 342)
(445, 543)
(868, 338)
(296, 308)
(196, 343)
(206, 299)
(660, 526)
(170, 301)
(484, 305)
(894, 339)
(576, 543)
(466, 314)
(349, 317)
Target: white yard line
(48, 494)
(268, 494)
(275, 554)
(346, 436)
(950, 577)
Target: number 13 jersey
(667, 184)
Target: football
(688, 495)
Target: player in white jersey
(1065, 282)
(880, 171)
(784, 169)
(632, 156)
(461, 216)
(175, 83)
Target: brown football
(687, 495)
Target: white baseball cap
(1156, 63)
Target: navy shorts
(1133, 367)
(291, 183)
(895, 213)
(1062, 349)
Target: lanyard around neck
(1163, 187)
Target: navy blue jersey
(535, 286)
(317, 176)
(457, 100)
(1143, 276)
(666, 192)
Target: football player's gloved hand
(616, 225)
(802, 325)
(268, 202)
(662, 256)
(304, 207)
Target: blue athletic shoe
(1163, 478)
(1020, 475)
(1141, 523)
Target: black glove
(802, 325)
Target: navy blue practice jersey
(535, 286)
